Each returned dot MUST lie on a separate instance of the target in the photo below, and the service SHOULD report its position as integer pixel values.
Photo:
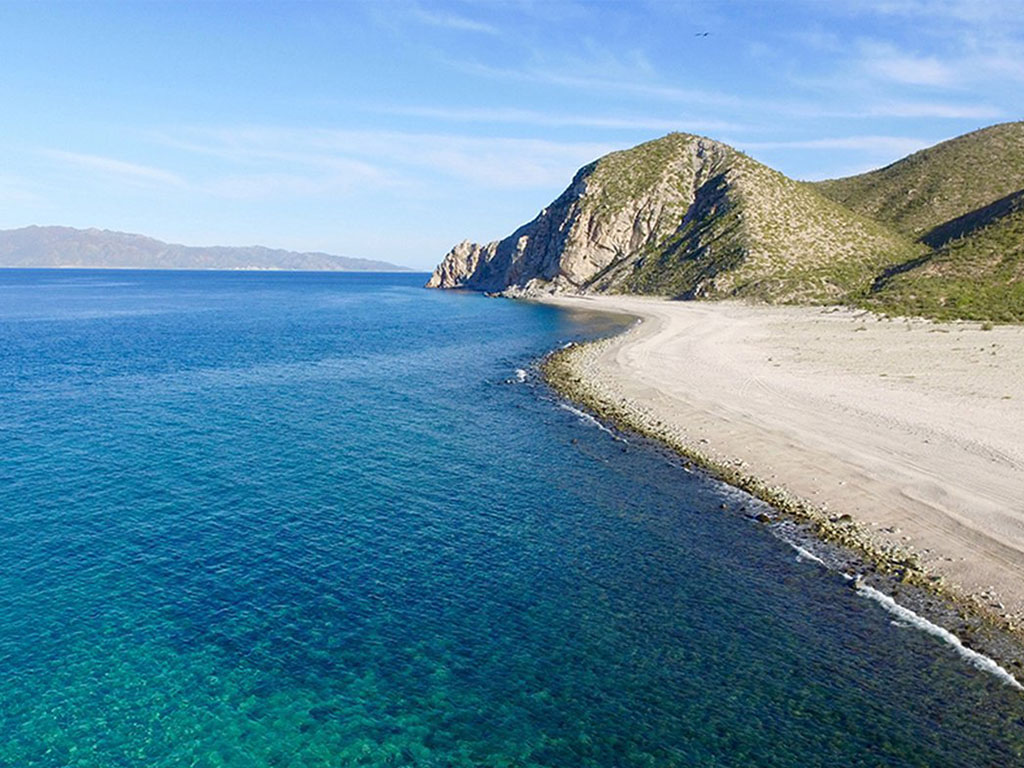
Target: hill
(963, 199)
(975, 273)
(931, 187)
(939, 233)
(689, 217)
(95, 248)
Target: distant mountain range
(939, 233)
(100, 248)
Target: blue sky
(394, 129)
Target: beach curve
(911, 430)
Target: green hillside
(939, 233)
(745, 230)
(977, 273)
(935, 185)
(962, 200)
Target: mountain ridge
(934, 185)
(685, 216)
(67, 247)
(689, 217)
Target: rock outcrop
(683, 216)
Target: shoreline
(686, 375)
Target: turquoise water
(318, 520)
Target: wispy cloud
(254, 162)
(249, 146)
(388, 159)
(1003, 64)
(969, 12)
(547, 119)
(956, 43)
(453, 21)
(886, 62)
(835, 156)
(625, 86)
(14, 189)
(119, 168)
(934, 109)
(255, 186)
(876, 79)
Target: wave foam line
(975, 659)
(806, 554)
(802, 553)
(911, 619)
(586, 417)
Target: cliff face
(614, 207)
(682, 216)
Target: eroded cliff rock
(681, 216)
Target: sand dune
(915, 429)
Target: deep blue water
(317, 520)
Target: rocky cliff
(683, 216)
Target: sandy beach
(915, 429)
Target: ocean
(313, 519)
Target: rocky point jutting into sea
(939, 233)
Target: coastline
(899, 441)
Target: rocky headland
(938, 234)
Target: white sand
(915, 429)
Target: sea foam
(908, 618)
(588, 419)
(975, 659)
